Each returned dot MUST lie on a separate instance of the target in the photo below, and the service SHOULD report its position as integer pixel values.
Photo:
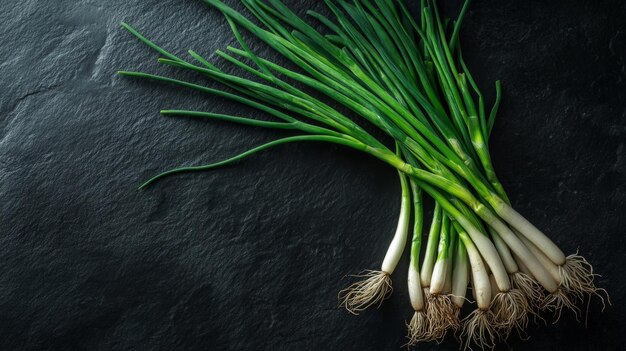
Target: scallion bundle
(405, 76)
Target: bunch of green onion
(406, 76)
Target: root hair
(577, 278)
(559, 300)
(418, 329)
(534, 292)
(510, 311)
(442, 315)
(372, 290)
(479, 329)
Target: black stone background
(252, 256)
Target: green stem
(324, 138)
(444, 239)
(418, 223)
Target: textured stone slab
(251, 256)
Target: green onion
(406, 78)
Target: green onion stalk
(375, 285)
(404, 76)
(419, 327)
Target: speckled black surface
(252, 256)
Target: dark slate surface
(252, 256)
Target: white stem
(539, 270)
(523, 268)
(480, 279)
(473, 289)
(425, 276)
(460, 276)
(536, 236)
(431, 250)
(494, 285)
(488, 252)
(552, 268)
(394, 253)
(505, 253)
(447, 287)
(438, 280)
(416, 294)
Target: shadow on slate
(252, 256)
